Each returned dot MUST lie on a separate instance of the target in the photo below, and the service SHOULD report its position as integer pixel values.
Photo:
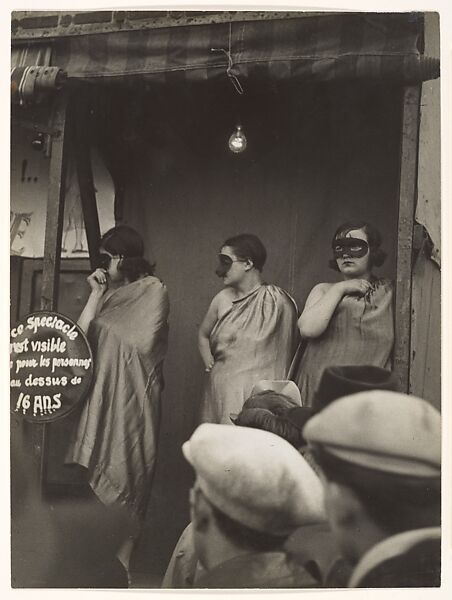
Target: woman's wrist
(97, 294)
(340, 288)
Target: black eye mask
(353, 247)
(103, 261)
(224, 266)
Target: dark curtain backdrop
(317, 155)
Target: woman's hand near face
(98, 281)
(355, 286)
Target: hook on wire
(233, 78)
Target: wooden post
(407, 206)
(85, 178)
(52, 249)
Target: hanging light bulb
(237, 141)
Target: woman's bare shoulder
(227, 294)
(321, 288)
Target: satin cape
(360, 332)
(256, 339)
(116, 438)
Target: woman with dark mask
(125, 319)
(349, 322)
(249, 332)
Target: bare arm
(98, 284)
(322, 302)
(204, 332)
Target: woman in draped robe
(125, 319)
(249, 332)
(349, 322)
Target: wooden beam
(407, 207)
(85, 178)
(55, 207)
(52, 251)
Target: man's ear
(200, 510)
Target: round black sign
(51, 367)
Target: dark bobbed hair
(127, 243)
(394, 502)
(374, 239)
(248, 246)
(244, 536)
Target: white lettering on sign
(19, 347)
(17, 331)
(50, 366)
(46, 405)
(26, 363)
(49, 345)
(70, 362)
(51, 322)
(48, 381)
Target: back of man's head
(380, 452)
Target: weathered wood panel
(52, 251)
(425, 369)
(407, 203)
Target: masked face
(230, 268)
(109, 264)
(352, 254)
(104, 261)
(354, 247)
(225, 262)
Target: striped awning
(321, 48)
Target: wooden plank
(85, 178)
(425, 369)
(52, 251)
(407, 205)
(55, 208)
(15, 277)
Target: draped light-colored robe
(256, 339)
(116, 438)
(360, 332)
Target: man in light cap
(380, 454)
(252, 490)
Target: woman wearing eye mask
(249, 332)
(125, 319)
(349, 322)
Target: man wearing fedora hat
(380, 454)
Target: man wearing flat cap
(380, 454)
(268, 399)
(252, 490)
